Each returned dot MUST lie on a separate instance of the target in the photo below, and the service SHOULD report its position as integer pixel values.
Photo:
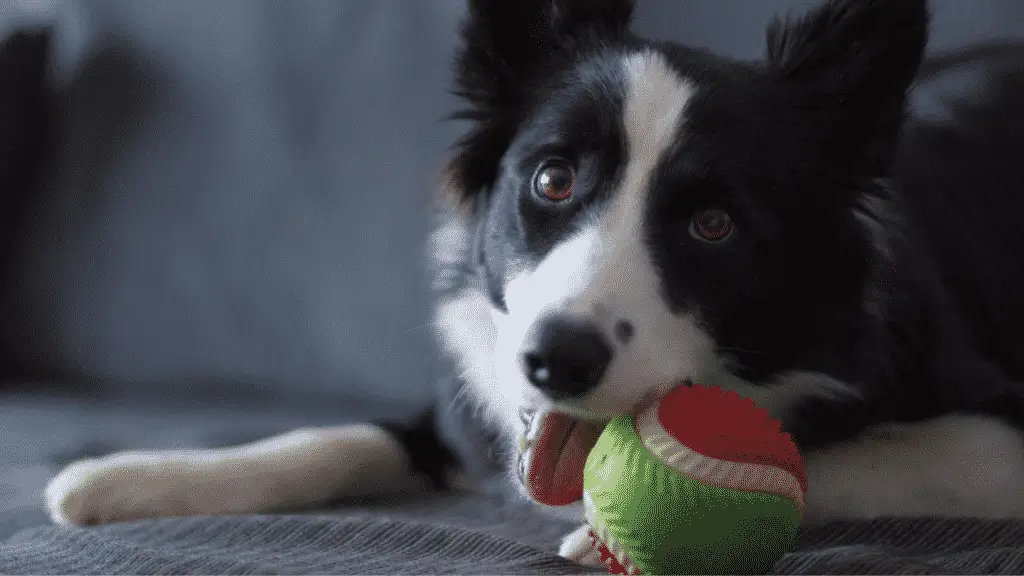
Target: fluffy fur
(869, 294)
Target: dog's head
(640, 214)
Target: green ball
(656, 519)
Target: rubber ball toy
(702, 482)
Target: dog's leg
(306, 467)
(958, 465)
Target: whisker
(740, 350)
(431, 324)
(458, 397)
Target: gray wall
(240, 185)
(736, 27)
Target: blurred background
(224, 234)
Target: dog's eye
(711, 225)
(554, 181)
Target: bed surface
(427, 533)
(464, 535)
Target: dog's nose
(566, 357)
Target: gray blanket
(427, 533)
(464, 534)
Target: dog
(625, 215)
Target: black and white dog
(627, 215)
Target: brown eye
(711, 225)
(554, 182)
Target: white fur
(603, 272)
(467, 332)
(956, 465)
(305, 467)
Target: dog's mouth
(552, 454)
(554, 448)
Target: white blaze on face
(604, 272)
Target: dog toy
(702, 482)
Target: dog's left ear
(858, 57)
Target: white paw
(577, 547)
(119, 487)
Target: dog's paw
(578, 547)
(301, 468)
(120, 487)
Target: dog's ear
(504, 45)
(506, 41)
(857, 57)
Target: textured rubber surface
(670, 523)
(722, 424)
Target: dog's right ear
(505, 41)
(505, 45)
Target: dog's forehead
(605, 100)
(577, 107)
(620, 114)
(644, 123)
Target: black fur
(873, 246)
(507, 49)
(428, 454)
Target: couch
(212, 227)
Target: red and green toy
(702, 482)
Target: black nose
(566, 357)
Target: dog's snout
(566, 357)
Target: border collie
(626, 215)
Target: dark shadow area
(25, 115)
(74, 135)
